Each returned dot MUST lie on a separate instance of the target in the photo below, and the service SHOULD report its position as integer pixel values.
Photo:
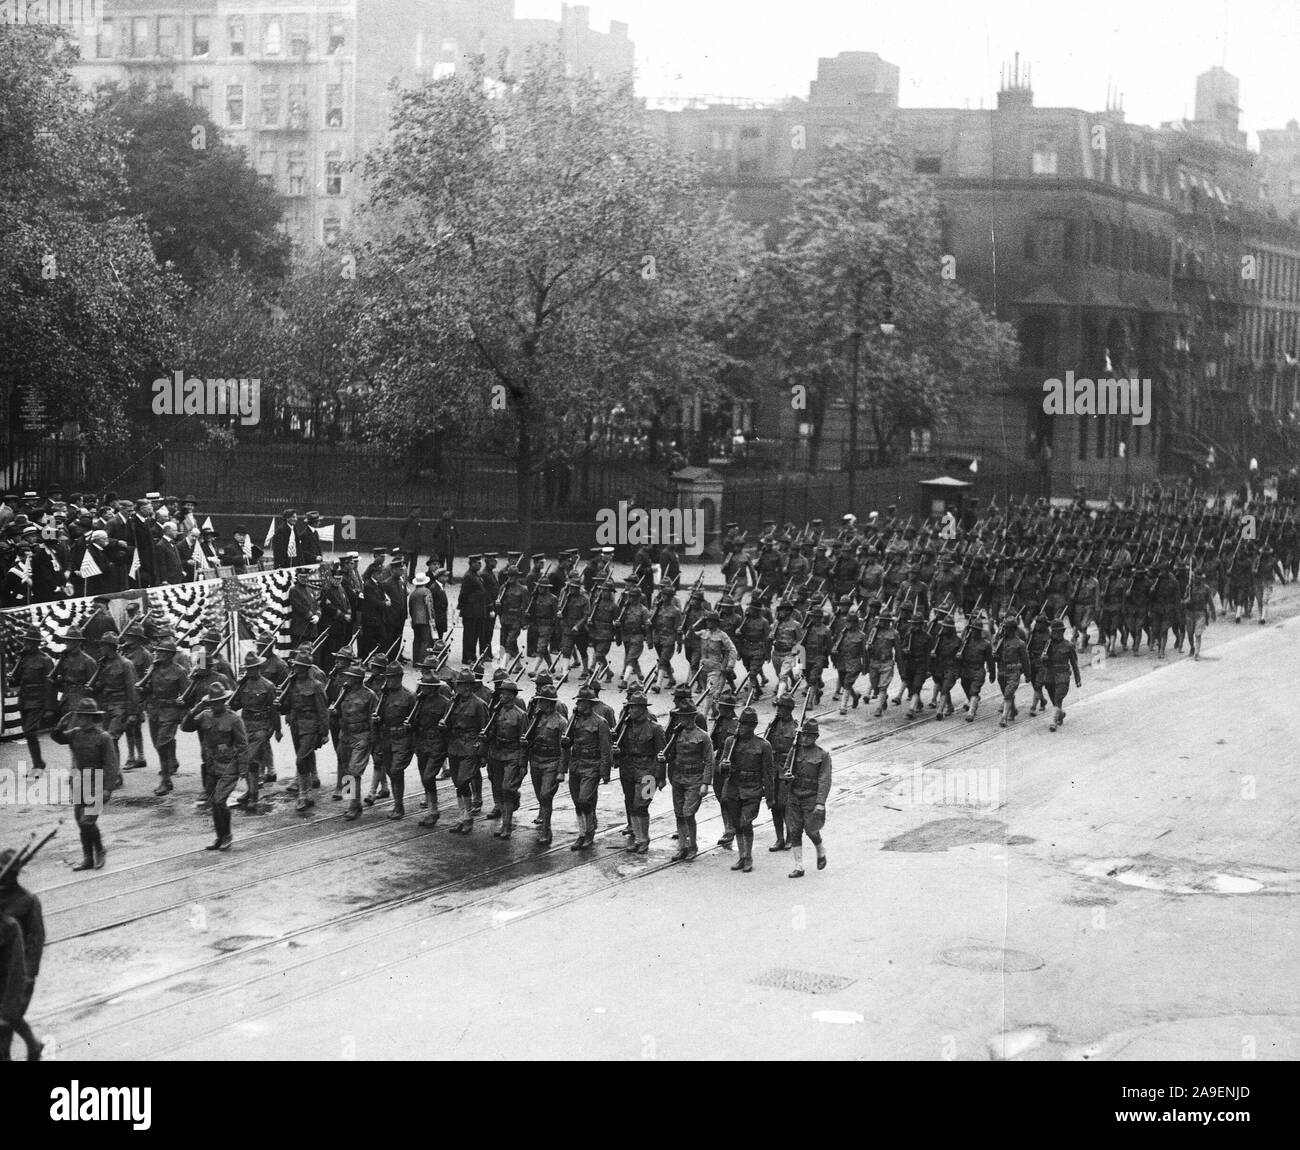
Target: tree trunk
(816, 412)
(524, 480)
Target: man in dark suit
(167, 560)
(303, 611)
(140, 534)
(243, 554)
(335, 618)
(374, 603)
(309, 550)
(409, 536)
(284, 540)
(473, 606)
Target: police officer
(810, 786)
(393, 746)
(303, 702)
(690, 770)
(588, 761)
(356, 708)
(473, 605)
(225, 742)
(546, 766)
(96, 774)
(750, 779)
(463, 726)
(254, 699)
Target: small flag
(325, 534)
(974, 466)
(207, 524)
(270, 533)
(135, 564)
(24, 569)
(89, 569)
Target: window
(270, 105)
(266, 165)
(202, 36)
(334, 105)
(169, 36)
(272, 37)
(140, 36)
(920, 444)
(926, 165)
(297, 106)
(104, 39)
(297, 173)
(1044, 161)
(335, 35)
(330, 229)
(235, 31)
(201, 96)
(298, 35)
(334, 174)
(235, 105)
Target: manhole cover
(805, 981)
(988, 957)
(238, 941)
(109, 953)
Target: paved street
(1120, 889)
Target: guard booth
(944, 494)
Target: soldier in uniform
(717, 658)
(32, 679)
(507, 759)
(1166, 607)
(302, 701)
(943, 665)
(751, 778)
(641, 768)
(96, 774)
(376, 682)
(573, 618)
(780, 733)
(166, 683)
(849, 651)
(72, 670)
(510, 610)
(881, 654)
(631, 634)
(541, 622)
(1199, 608)
(1060, 660)
(724, 727)
(1012, 658)
(356, 709)
(816, 652)
(133, 650)
(254, 699)
(432, 700)
(690, 770)
(916, 668)
(974, 664)
(393, 746)
(785, 637)
(545, 757)
(225, 742)
(601, 630)
(1039, 637)
(22, 944)
(754, 644)
(464, 724)
(810, 786)
(697, 608)
(665, 625)
(588, 761)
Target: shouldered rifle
(596, 592)
(26, 853)
(493, 712)
(99, 666)
(787, 771)
(444, 724)
(620, 729)
(420, 696)
(542, 580)
(566, 739)
(961, 650)
(536, 717)
(376, 714)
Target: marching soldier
(393, 745)
(724, 727)
(665, 624)
(134, 652)
(631, 634)
(690, 769)
(697, 608)
(507, 758)
(225, 744)
(848, 651)
(1039, 637)
(816, 653)
(1166, 607)
(510, 610)
(545, 757)
(166, 682)
(781, 735)
(573, 618)
(881, 654)
(463, 725)
(717, 658)
(96, 775)
(638, 750)
(376, 681)
(72, 670)
(915, 669)
(114, 683)
(588, 761)
(1060, 660)
(603, 613)
(1012, 658)
(943, 665)
(38, 702)
(750, 779)
(974, 665)
(754, 644)
(22, 944)
(302, 701)
(432, 700)
(356, 709)
(541, 622)
(810, 786)
(785, 638)
(1199, 607)
(254, 699)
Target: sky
(949, 52)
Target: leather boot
(749, 851)
(580, 843)
(691, 829)
(683, 841)
(397, 781)
(507, 823)
(728, 831)
(544, 831)
(643, 834)
(87, 850)
(974, 709)
(304, 793)
(431, 819)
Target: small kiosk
(943, 494)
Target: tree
(201, 201)
(540, 259)
(852, 302)
(88, 315)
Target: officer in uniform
(166, 682)
(545, 756)
(641, 768)
(751, 778)
(225, 743)
(356, 709)
(1060, 660)
(463, 726)
(690, 770)
(303, 703)
(507, 758)
(588, 761)
(96, 774)
(810, 786)
(432, 700)
(38, 703)
(393, 745)
(254, 699)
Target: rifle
(961, 650)
(787, 771)
(444, 722)
(566, 739)
(493, 712)
(527, 737)
(379, 704)
(243, 678)
(104, 658)
(420, 696)
(532, 598)
(26, 853)
(620, 729)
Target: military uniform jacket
(1061, 660)
(468, 717)
(545, 745)
(602, 620)
(943, 656)
(395, 705)
(781, 736)
(473, 597)
(811, 777)
(429, 736)
(852, 647)
(167, 682)
(717, 653)
(785, 635)
(977, 657)
(642, 743)
(884, 647)
(544, 606)
(513, 601)
(752, 635)
(635, 619)
(723, 729)
(576, 606)
(92, 750)
(356, 708)
(33, 679)
(591, 745)
(507, 730)
(690, 763)
(1013, 656)
(753, 770)
(71, 673)
(255, 701)
(224, 739)
(115, 682)
(817, 643)
(304, 700)
(667, 622)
